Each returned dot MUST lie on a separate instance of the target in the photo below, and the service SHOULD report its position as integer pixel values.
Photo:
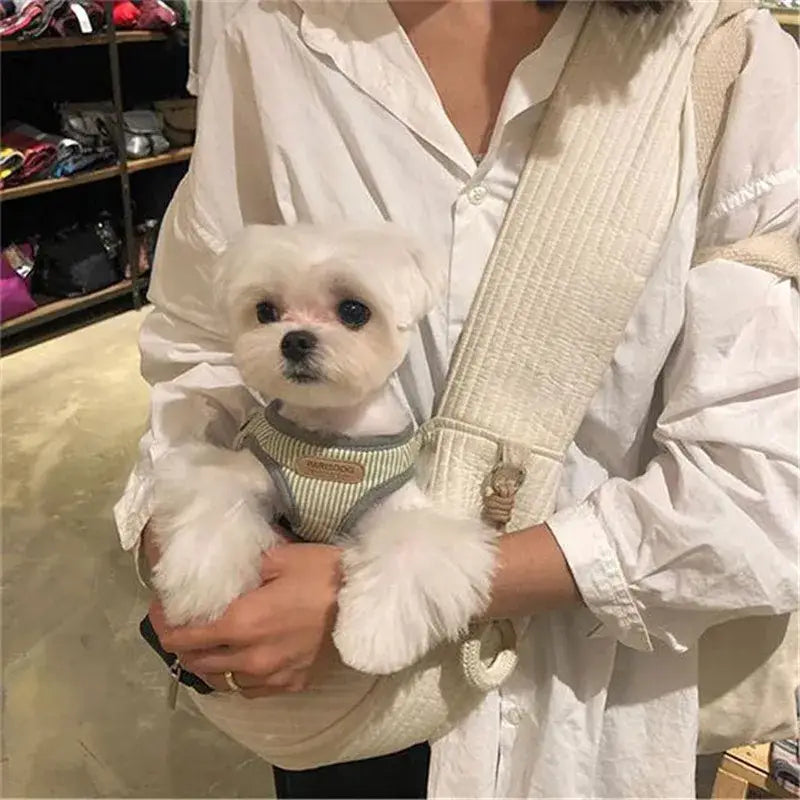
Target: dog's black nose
(297, 345)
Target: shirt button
(476, 194)
(513, 716)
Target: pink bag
(15, 269)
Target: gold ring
(231, 681)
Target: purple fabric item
(65, 21)
(14, 26)
(42, 22)
(156, 16)
(15, 296)
(7, 9)
(39, 150)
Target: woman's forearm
(532, 575)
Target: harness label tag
(329, 469)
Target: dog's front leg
(211, 523)
(413, 577)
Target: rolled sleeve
(599, 576)
(132, 511)
(709, 531)
(197, 392)
(205, 401)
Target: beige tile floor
(84, 712)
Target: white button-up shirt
(678, 505)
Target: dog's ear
(240, 264)
(421, 283)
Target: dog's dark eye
(267, 312)
(353, 313)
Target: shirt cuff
(133, 510)
(598, 575)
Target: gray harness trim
(293, 430)
(360, 508)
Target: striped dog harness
(327, 482)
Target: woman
(676, 498)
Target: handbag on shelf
(94, 126)
(78, 261)
(144, 133)
(90, 124)
(16, 266)
(180, 119)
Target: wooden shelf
(136, 37)
(170, 157)
(51, 184)
(59, 308)
(57, 42)
(787, 18)
(90, 176)
(743, 768)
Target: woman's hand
(272, 639)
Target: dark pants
(400, 775)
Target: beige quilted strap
(777, 252)
(520, 349)
(555, 297)
(719, 61)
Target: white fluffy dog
(319, 319)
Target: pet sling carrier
(580, 238)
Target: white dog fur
(413, 575)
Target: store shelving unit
(47, 312)
(90, 176)
(60, 42)
(50, 310)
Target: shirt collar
(369, 46)
(536, 76)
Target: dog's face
(320, 317)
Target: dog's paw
(367, 634)
(197, 587)
(208, 561)
(414, 579)
(210, 523)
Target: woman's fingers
(257, 660)
(216, 682)
(252, 686)
(189, 637)
(217, 659)
(243, 680)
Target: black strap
(187, 678)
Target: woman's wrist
(532, 575)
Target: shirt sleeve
(197, 392)
(709, 531)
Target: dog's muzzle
(297, 346)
